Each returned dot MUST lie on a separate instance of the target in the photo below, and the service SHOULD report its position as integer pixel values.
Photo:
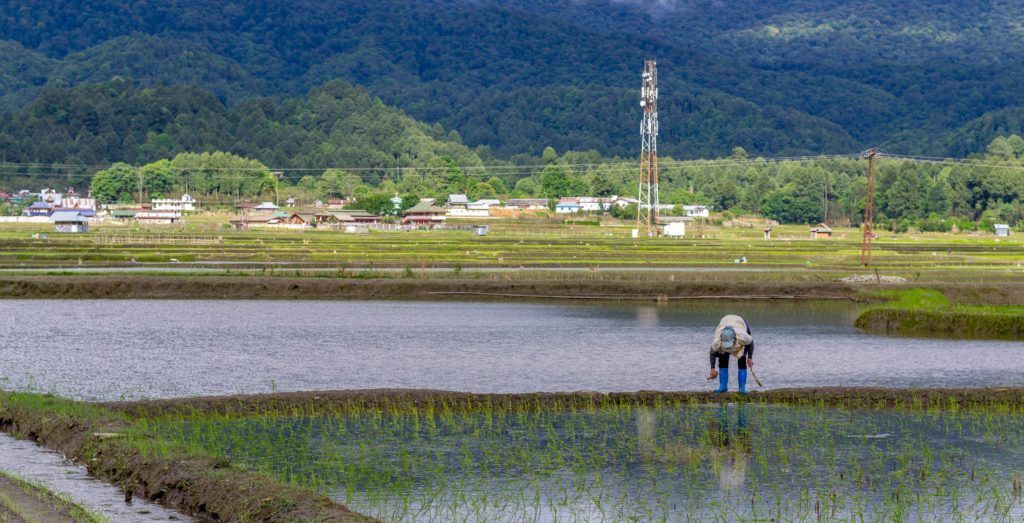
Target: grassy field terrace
(202, 243)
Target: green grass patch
(926, 312)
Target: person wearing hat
(732, 338)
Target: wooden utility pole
(869, 210)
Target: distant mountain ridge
(777, 77)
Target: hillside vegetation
(774, 77)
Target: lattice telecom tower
(647, 206)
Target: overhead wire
(54, 170)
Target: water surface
(27, 461)
(110, 349)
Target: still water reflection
(147, 348)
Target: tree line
(909, 193)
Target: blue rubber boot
(743, 381)
(723, 380)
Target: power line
(501, 170)
(623, 163)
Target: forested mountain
(93, 124)
(776, 77)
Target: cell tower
(647, 205)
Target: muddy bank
(643, 287)
(339, 401)
(958, 324)
(261, 287)
(205, 487)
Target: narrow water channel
(113, 349)
(30, 462)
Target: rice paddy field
(585, 460)
(684, 456)
(510, 244)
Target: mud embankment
(342, 400)
(642, 287)
(205, 487)
(261, 287)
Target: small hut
(70, 221)
(1002, 229)
(821, 232)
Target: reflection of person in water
(730, 447)
(726, 445)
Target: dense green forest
(428, 97)
(776, 77)
(65, 133)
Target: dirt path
(22, 503)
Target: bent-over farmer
(732, 337)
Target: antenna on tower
(647, 200)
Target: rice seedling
(580, 461)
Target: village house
(821, 232)
(51, 197)
(86, 212)
(184, 204)
(356, 216)
(265, 207)
(457, 201)
(335, 204)
(697, 211)
(246, 207)
(477, 209)
(674, 226)
(568, 206)
(152, 217)
(245, 222)
(123, 214)
(70, 221)
(38, 208)
(297, 220)
(622, 202)
(592, 204)
(425, 214)
(527, 204)
(303, 219)
(348, 224)
(76, 203)
(21, 197)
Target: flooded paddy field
(675, 461)
(131, 349)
